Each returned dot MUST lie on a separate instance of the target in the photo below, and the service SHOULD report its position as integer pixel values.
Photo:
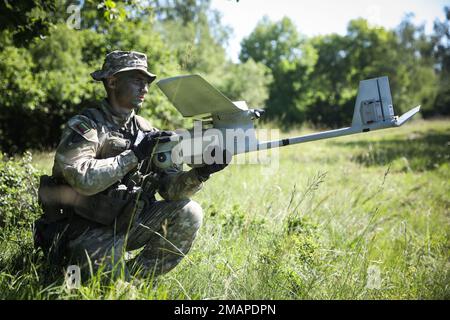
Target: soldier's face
(131, 88)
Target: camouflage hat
(118, 61)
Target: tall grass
(311, 229)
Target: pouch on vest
(101, 208)
(59, 200)
(113, 145)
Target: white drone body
(232, 122)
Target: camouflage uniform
(94, 158)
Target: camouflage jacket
(94, 155)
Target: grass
(310, 229)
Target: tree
(331, 83)
(441, 42)
(27, 19)
(184, 11)
(290, 58)
(247, 81)
(195, 34)
(193, 31)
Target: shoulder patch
(84, 127)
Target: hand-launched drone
(229, 125)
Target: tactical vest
(106, 206)
(116, 205)
(117, 140)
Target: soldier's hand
(205, 171)
(143, 148)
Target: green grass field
(360, 217)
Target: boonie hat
(119, 61)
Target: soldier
(100, 201)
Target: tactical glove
(205, 171)
(144, 145)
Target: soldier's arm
(177, 184)
(76, 159)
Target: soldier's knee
(193, 212)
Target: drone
(229, 125)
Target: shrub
(18, 192)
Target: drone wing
(192, 95)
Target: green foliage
(45, 83)
(28, 19)
(179, 10)
(61, 72)
(247, 81)
(290, 58)
(297, 225)
(194, 34)
(18, 82)
(441, 41)
(18, 192)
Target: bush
(18, 192)
(19, 262)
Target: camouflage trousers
(165, 232)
